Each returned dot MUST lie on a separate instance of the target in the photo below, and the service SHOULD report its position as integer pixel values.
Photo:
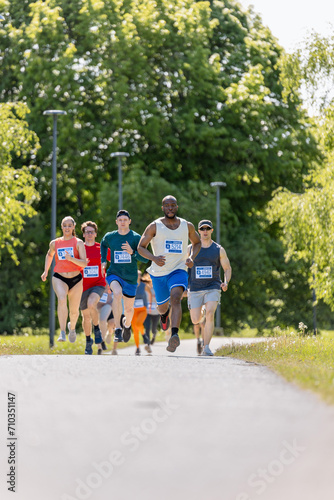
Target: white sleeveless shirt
(173, 244)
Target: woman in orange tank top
(70, 256)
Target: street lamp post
(119, 155)
(54, 113)
(218, 185)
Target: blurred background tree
(193, 92)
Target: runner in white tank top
(169, 238)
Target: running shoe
(114, 352)
(164, 321)
(89, 346)
(126, 331)
(148, 348)
(62, 337)
(103, 345)
(99, 351)
(118, 335)
(207, 351)
(72, 336)
(137, 353)
(173, 343)
(199, 347)
(97, 335)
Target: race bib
(104, 298)
(61, 252)
(153, 307)
(91, 272)
(173, 246)
(203, 272)
(122, 257)
(139, 303)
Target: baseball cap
(122, 212)
(205, 222)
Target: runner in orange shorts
(140, 313)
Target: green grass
(305, 360)
(39, 344)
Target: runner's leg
(209, 321)
(74, 298)
(61, 290)
(117, 308)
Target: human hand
(189, 262)
(160, 260)
(127, 248)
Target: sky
(290, 20)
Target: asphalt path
(161, 427)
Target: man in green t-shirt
(122, 273)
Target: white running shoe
(207, 351)
(72, 336)
(62, 337)
(148, 348)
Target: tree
(306, 218)
(191, 90)
(17, 185)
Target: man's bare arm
(196, 244)
(225, 263)
(146, 238)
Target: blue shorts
(163, 284)
(128, 289)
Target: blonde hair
(71, 218)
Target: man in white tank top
(169, 236)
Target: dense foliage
(17, 186)
(306, 218)
(191, 90)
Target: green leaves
(17, 185)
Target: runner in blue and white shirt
(169, 236)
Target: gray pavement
(166, 427)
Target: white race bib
(173, 246)
(104, 298)
(91, 272)
(203, 272)
(122, 257)
(153, 307)
(139, 303)
(61, 252)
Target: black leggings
(70, 282)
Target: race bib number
(203, 272)
(139, 303)
(104, 298)
(153, 307)
(91, 272)
(122, 257)
(61, 252)
(173, 246)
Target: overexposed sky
(290, 20)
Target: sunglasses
(89, 232)
(205, 228)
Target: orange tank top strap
(61, 246)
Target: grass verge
(39, 344)
(307, 361)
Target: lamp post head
(115, 155)
(218, 184)
(54, 112)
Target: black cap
(122, 212)
(205, 222)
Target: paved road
(162, 427)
